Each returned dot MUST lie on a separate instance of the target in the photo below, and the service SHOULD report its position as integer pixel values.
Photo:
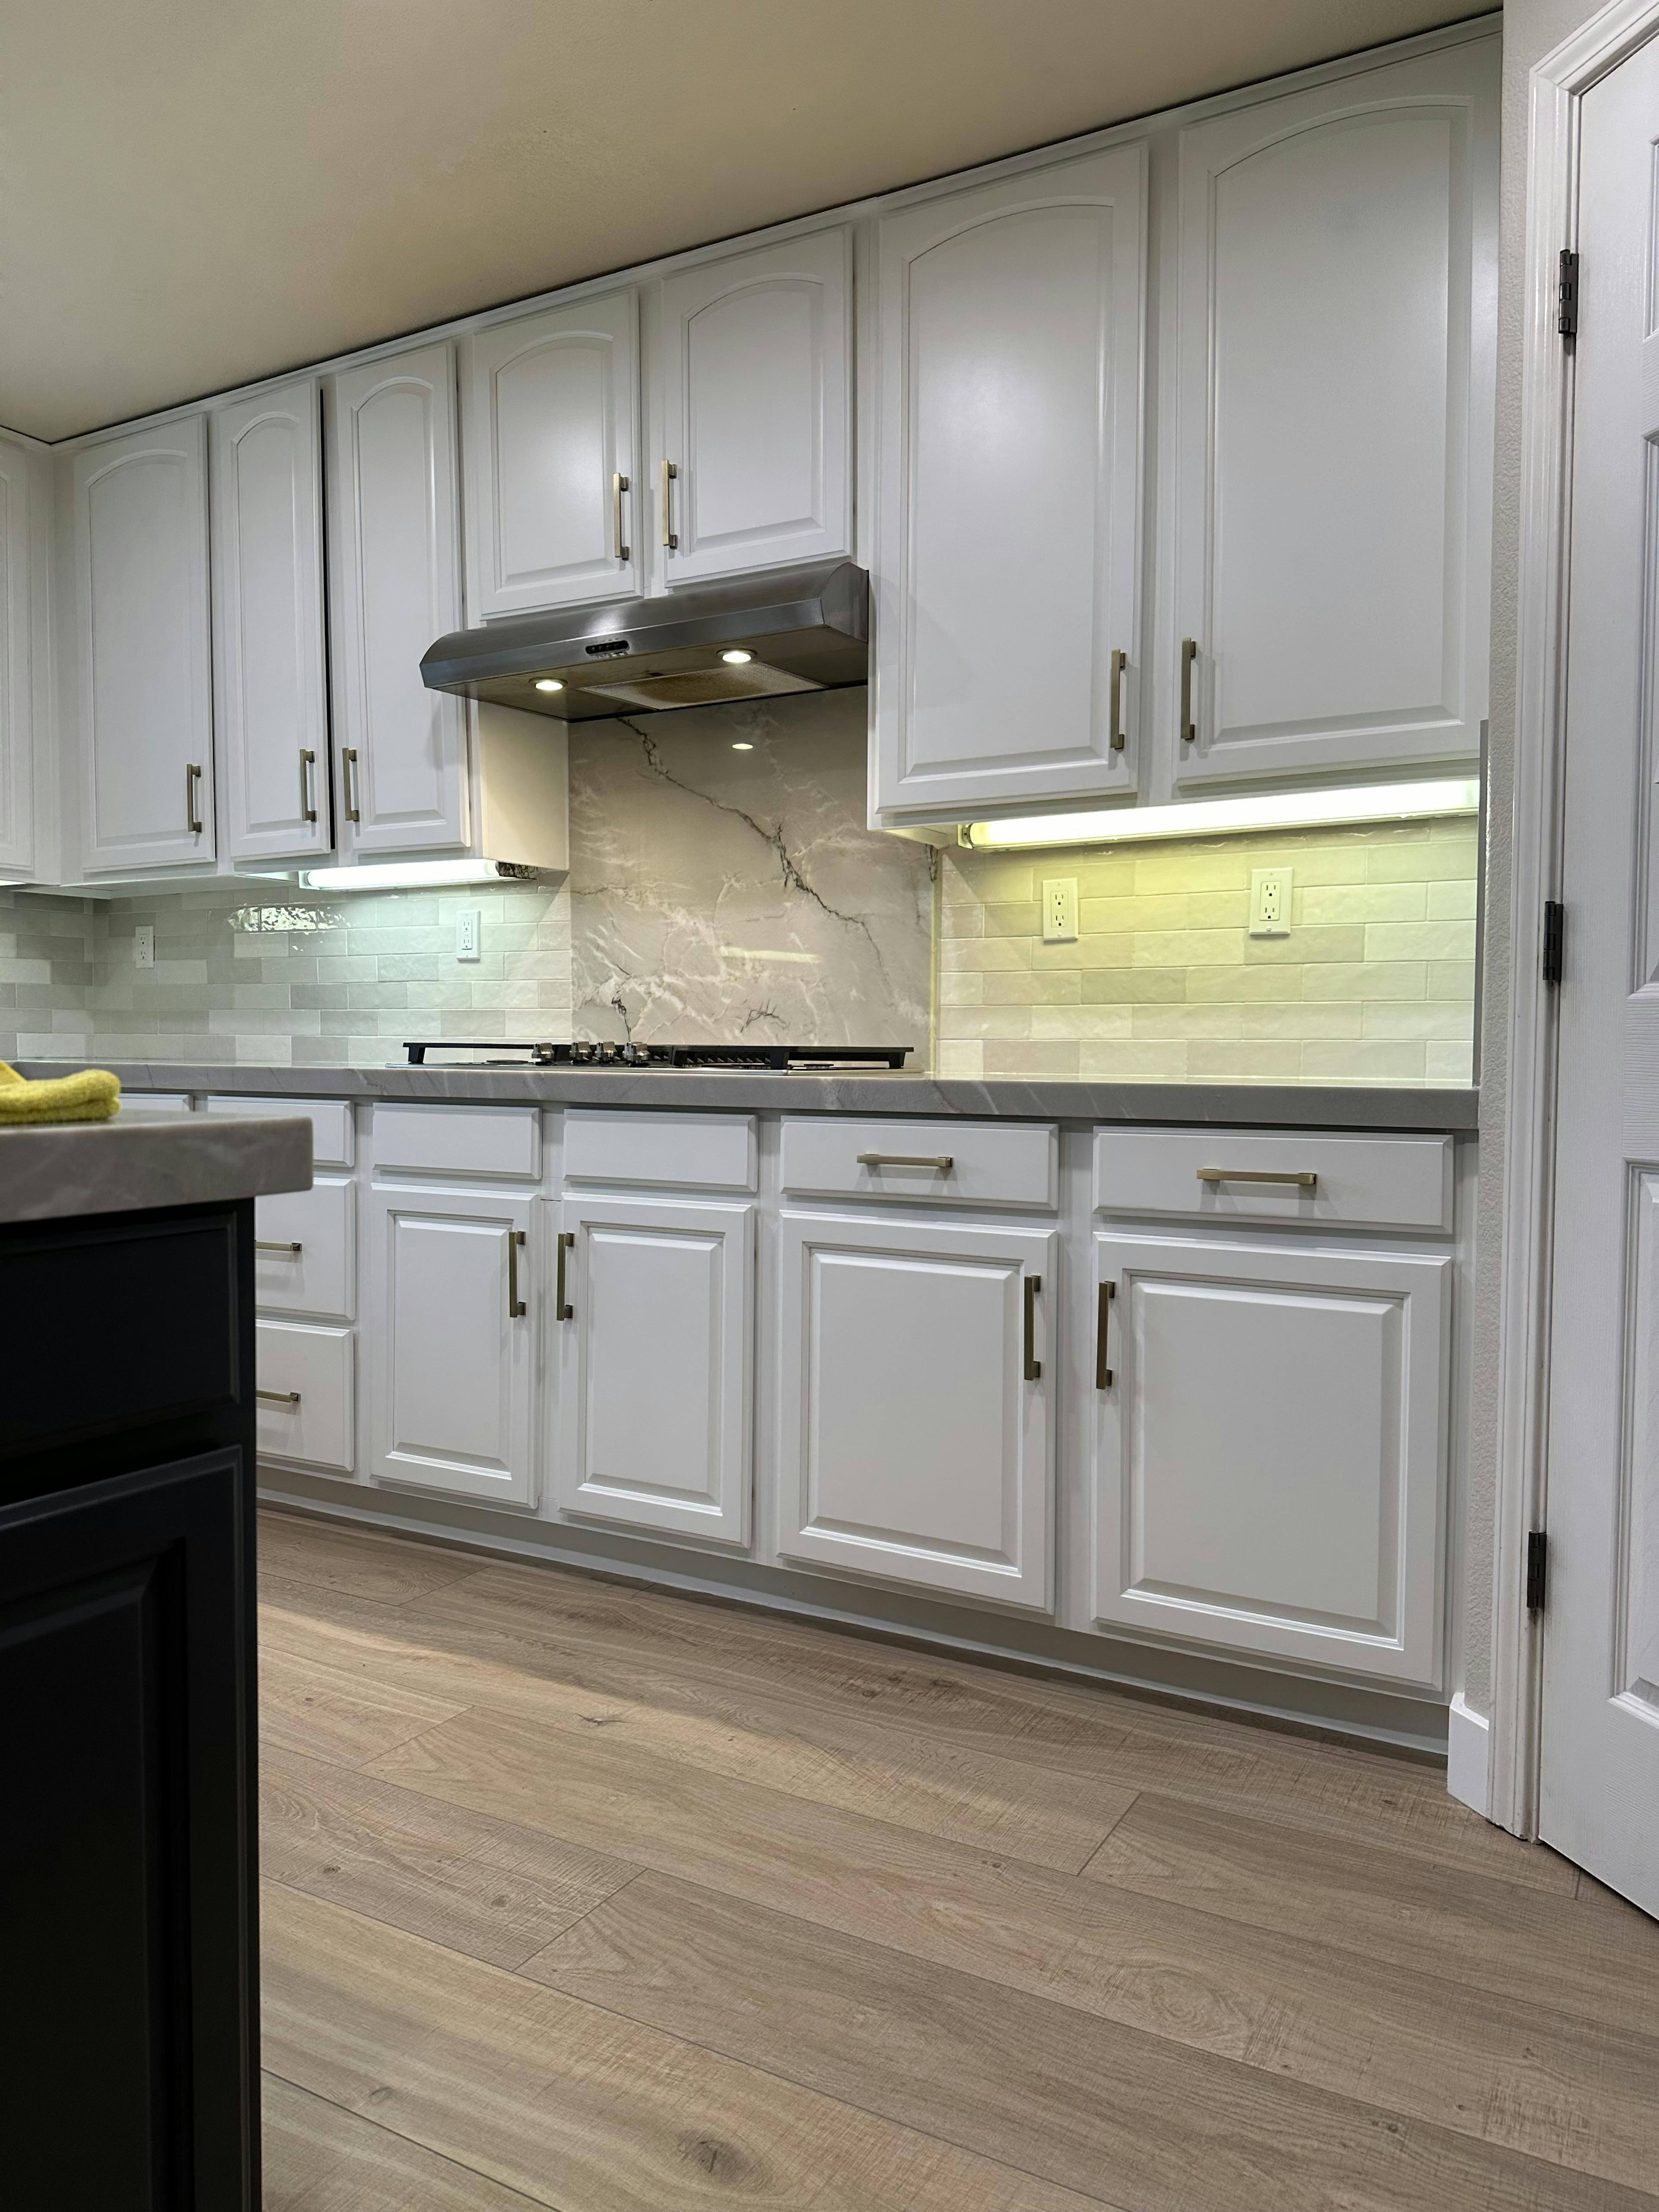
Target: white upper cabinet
(1332, 397)
(552, 405)
(754, 459)
(394, 552)
(16, 658)
(139, 556)
(1008, 489)
(269, 662)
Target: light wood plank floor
(602, 1900)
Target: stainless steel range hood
(807, 631)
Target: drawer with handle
(304, 1249)
(1319, 1179)
(922, 1162)
(307, 1400)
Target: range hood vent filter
(702, 687)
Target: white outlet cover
(1270, 901)
(1059, 906)
(468, 932)
(143, 947)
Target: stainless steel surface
(1189, 655)
(348, 755)
(1120, 662)
(279, 1397)
(562, 1308)
(266, 1244)
(192, 777)
(516, 1307)
(307, 805)
(1303, 1178)
(808, 629)
(943, 1161)
(619, 484)
(1103, 1318)
(668, 473)
(1033, 1364)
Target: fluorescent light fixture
(548, 683)
(741, 745)
(401, 876)
(1223, 818)
(737, 657)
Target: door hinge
(1566, 296)
(1555, 936)
(1538, 1551)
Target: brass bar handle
(562, 1308)
(265, 1244)
(279, 1397)
(944, 1162)
(1188, 657)
(348, 756)
(1120, 662)
(1303, 1178)
(516, 1307)
(307, 805)
(192, 777)
(619, 484)
(668, 473)
(1033, 1364)
(1103, 1372)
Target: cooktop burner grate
(777, 1059)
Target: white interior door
(1599, 1743)
(270, 660)
(656, 1373)
(16, 558)
(915, 1441)
(1008, 488)
(1332, 405)
(755, 374)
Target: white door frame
(1557, 86)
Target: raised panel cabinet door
(1008, 489)
(16, 658)
(450, 1342)
(138, 549)
(1269, 1450)
(270, 675)
(755, 358)
(395, 570)
(552, 406)
(656, 1327)
(1333, 402)
(915, 1441)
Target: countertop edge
(64, 1170)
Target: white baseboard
(1467, 1736)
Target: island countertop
(1218, 1105)
(59, 1168)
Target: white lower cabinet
(450, 1336)
(307, 1409)
(1269, 1446)
(304, 1249)
(915, 1393)
(655, 1371)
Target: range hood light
(1223, 818)
(548, 683)
(737, 657)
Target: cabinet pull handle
(307, 761)
(668, 473)
(944, 1162)
(1103, 1372)
(562, 1308)
(516, 1307)
(619, 484)
(1189, 655)
(1303, 1178)
(192, 777)
(279, 1397)
(1033, 1364)
(348, 756)
(264, 1244)
(1120, 662)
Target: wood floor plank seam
(368, 2120)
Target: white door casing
(395, 575)
(1269, 1454)
(139, 553)
(912, 1444)
(755, 386)
(1008, 486)
(16, 660)
(271, 673)
(656, 1378)
(1333, 403)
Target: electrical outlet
(1270, 903)
(143, 947)
(1060, 910)
(468, 932)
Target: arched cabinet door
(1332, 413)
(1009, 490)
(754, 382)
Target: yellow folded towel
(91, 1094)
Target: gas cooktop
(775, 1059)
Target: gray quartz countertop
(1275, 1105)
(124, 1166)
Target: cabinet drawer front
(1360, 1183)
(304, 1249)
(708, 1152)
(331, 1141)
(923, 1162)
(155, 1101)
(481, 1140)
(307, 1402)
